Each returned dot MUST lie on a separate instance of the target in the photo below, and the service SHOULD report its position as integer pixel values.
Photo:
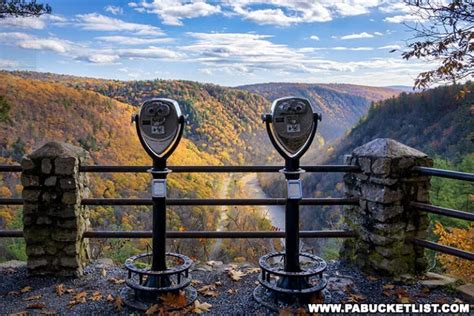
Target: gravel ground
(346, 284)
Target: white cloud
(100, 58)
(171, 12)
(390, 47)
(35, 23)
(98, 22)
(55, 45)
(8, 63)
(283, 13)
(150, 52)
(378, 33)
(271, 12)
(404, 18)
(314, 37)
(356, 36)
(128, 40)
(24, 23)
(114, 10)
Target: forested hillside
(223, 121)
(34, 112)
(340, 104)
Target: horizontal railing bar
(202, 234)
(220, 202)
(220, 169)
(451, 174)
(11, 233)
(220, 234)
(11, 168)
(443, 211)
(11, 201)
(444, 249)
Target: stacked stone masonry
(384, 219)
(53, 218)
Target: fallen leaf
(33, 298)
(103, 272)
(372, 278)
(200, 308)
(116, 281)
(388, 293)
(354, 298)
(69, 291)
(174, 300)
(79, 298)
(196, 282)
(96, 296)
(110, 298)
(22, 313)
(236, 275)
(26, 289)
(218, 283)
(60, 289)
(36, 306)
(48, 313)
(404, 300)
(13, 293)
(252, 270)
(155, 309)
(232, 291)
(388, 287)
(118, 303)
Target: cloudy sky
(228, 42)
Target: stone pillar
(384, 219)
(53, 217)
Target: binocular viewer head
(291, 126)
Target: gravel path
(346, 284)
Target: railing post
(53, 218)
(384, 219)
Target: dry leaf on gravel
(252, 270)
(116, 281)
(60, 289)
(13, 293)
(36, 306)
(155, 309)
(404, 300)
(174, 300)
(232, 291)
(33, 298)
(218, 283)
(96, 296)
(200, 308)
(236, 275)
(118, 303)
(103, 272)
(354, 298)
(26, 289)
(372, 278)
(388, 287)
(196, 282)
(79, 298)
(22, 313)
(110, 298)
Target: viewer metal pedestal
(291, 279)
(152, 275)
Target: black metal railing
(424, 207)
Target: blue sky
(223, 42)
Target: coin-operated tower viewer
(159, 125)
(291, 128)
